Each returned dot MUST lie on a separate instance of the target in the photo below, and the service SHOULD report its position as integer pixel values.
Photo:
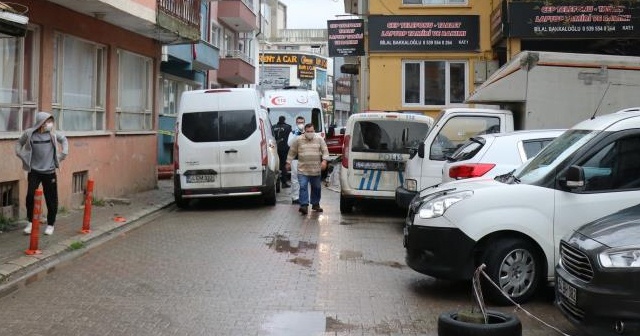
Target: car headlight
(411, 185)
(620, 258)
(437, 206)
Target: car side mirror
(421, 150)
(574, 178)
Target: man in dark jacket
(281, 131)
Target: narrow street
(235, 267)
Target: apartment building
(95, 66)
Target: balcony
(167, 21)
(236, 68)
(238, 15)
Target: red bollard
(86, 221)
(35, 224)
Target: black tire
(500, 324)
(346, 205)
(177, 193)
(181, 202)
(270, 196)
(514, 265)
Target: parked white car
(490, 155)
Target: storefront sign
(424, 33)
(306, 71)
(346, 37)
(564, 19)
(293, 59)
(499, 27)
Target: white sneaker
(27, 229)
(49, 230)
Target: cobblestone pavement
(235, 267)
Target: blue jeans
(316, 187)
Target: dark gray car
(598, 276)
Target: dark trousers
(50, 190)
(282, 155)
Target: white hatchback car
(490, 155)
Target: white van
(513, 223)
(294, 102)
(224, 147)
(375, 151)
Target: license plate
(568, 291)
(201, 178)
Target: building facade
(95, 67)
(425, 55)
(225, 56)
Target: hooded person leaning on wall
(41, 156)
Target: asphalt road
(235, 267)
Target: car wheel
(346, 205)
(516, 267)
(177, 193)
(270, 196)
(499, 324)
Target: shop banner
(346, 37)
(424, 33)
(565, 19)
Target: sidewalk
(119, 214)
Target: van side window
(614, 167)
(215, 126)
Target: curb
(22, 271)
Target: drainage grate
(8, 199)
(79, 183)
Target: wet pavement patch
(290, 323)
(280, 243)
(357, 255)
(334, 325)
(301, 261)
(350, 255)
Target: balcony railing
(187, 11)
(238, 54)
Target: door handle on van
(231, 151)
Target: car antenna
(601, 99)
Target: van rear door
(241, 137)
(199, 151)
(379, 150)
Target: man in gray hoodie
(38, 150)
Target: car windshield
(557, 151)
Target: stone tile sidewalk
(113, 216)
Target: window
(387, 136)
(218, 126)
(18, 81)
(134, 92)
(215, 35)
(434, 83)
(434, 2)
(616, 166)
(79, 84)
(457, 131)
(532, 147)
(172, 90)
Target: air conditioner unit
(13, 25)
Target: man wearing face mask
(38, 149)
(313, 155)
(295, 185)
